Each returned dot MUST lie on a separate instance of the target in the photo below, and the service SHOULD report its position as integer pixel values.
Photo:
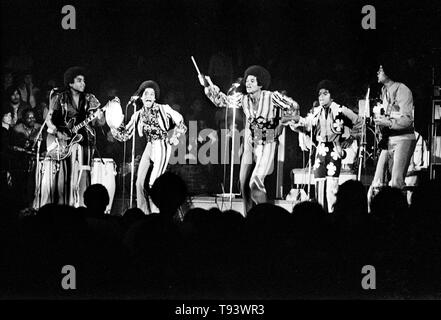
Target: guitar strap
(63, 104)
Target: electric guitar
(382, 132)
(60, 149)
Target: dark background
(300, 42)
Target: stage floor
(207, 202)
(222, 203)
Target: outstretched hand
(289, 119)
(201, 80)
(174, 141)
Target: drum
(104, 172)
(114, 115)
(46, 182)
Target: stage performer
(326, 124)
(65, 180)
(154, 121)
(397, 131)
(266, 112)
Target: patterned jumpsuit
(154, 123)
(261, 133)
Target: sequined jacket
(155, 123)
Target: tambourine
(114, 114)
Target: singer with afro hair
(266, 112)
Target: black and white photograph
(217, 155)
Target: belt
(262, 130)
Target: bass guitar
(382, 133)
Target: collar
(334, 107)
(389, 84)
(257, 96)
(154, 107)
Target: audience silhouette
(210, 254)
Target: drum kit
(103, 170)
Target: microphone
(234, 87)
(54, 90)
(133, 99)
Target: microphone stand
(124, 158)
(361, 156)
(232, 156)
(132, 173)
(38, 169)
(362, 151)
(310, 171)
(225, 149)
(124, 164)
(310, 163)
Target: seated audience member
(13, 100)
(28, 91)
(5, 151)
(169, 193)
(96, 199)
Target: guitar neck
(83, 123)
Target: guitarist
(397, 128)
(69, 107)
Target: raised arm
(290, 108)
(303, 124)
(216, 96)
(213, 92)
(284, 102)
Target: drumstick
(207, 79)
(196, 66)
